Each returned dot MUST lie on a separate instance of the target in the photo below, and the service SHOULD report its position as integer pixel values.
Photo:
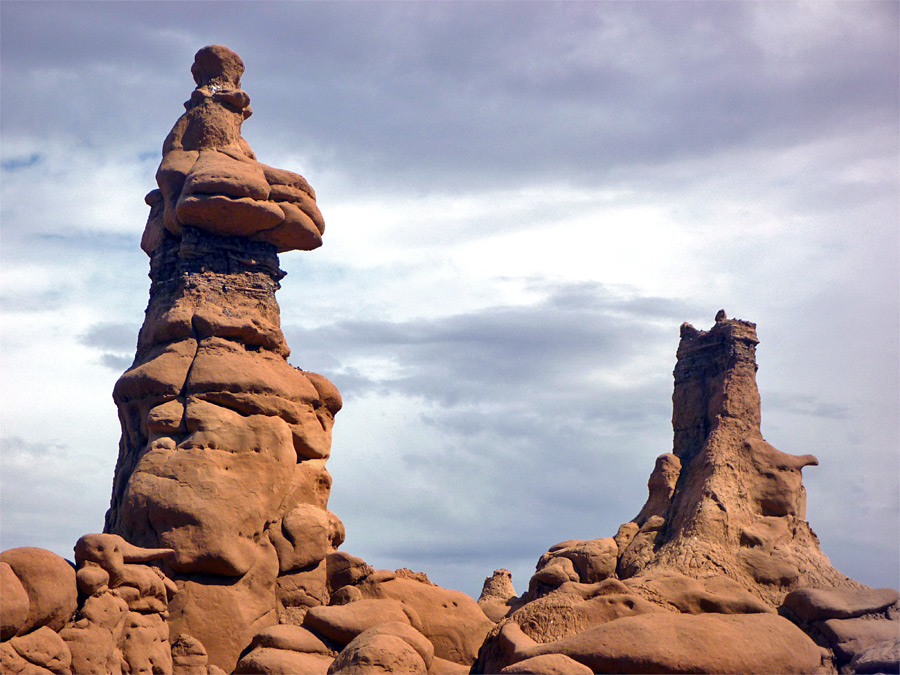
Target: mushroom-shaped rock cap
(217, 65)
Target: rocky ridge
(219, 553)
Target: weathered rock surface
(343, 623)
(818, 604)
(498, 596)
(451, 620)
(731, 504)
(722, 537)
(883, 657)
(222, 457)
(49, 584)
(856, 625)
(664, 642)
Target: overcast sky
(523, 202)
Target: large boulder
(451, 620)
(48, 581)
(664, 642)
(342, 623)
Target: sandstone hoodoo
(718, 572)
(219, 553)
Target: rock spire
(726, 502)
(224, 444)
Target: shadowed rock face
(223, 449)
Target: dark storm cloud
(434, 96)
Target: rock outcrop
(719, 556)
(105, 614)
(726, 502)
(220, 554)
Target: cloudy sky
(523, 201)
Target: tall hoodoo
(224, 444)
(737, 505)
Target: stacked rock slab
(224, 444)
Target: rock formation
(220, 554)
(726, 502)
(224, 444)
(716, 562)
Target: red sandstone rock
(223, 442)
(15, 606)
(818, 604)
(377, 654)
(386, 648)
(715, 595)
(548, 664)
(451, 620)
(680, 643)
(42, 648)
(209, 176)
(342, 623)
(292, 638)
(562, 614)
(268, 661)
(736, 505)
(883, 657)
(49, 582)
(848, 637)
(498, 597)
(189, 656)
(286, 649)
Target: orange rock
(377, 653)
(684, 643)
(15, 605)
(818, 604)
(451, 620)
(342, 623)
(548, 664)
(717, 595)
(268, 661)
(45, 649)
(49, 582)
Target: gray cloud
(511, 442)
(437, 97)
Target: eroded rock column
(726, 502)
(224, 444)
